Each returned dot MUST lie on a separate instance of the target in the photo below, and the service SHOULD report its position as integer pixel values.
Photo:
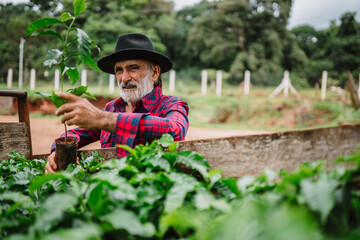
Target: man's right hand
(51, 166)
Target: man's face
(136, 78)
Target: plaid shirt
(154, 115)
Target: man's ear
(155, 73)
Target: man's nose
(125, 76)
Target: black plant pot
(65, 153)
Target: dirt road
(45, 130)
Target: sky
(317, 13)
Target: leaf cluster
(80, 44)
(157, 192)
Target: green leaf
(46, 95)
(166, 140)
(129, 149)
(90, 62)
(97, 200)
(79, 7)
(41, 180)
(58, 101)
(127, 220)
(176, 196)
(17, 197)
(319, 195)
(73, 75)
(85, 231)
(66, 16)
(195, 161)
(53, 57)
(44, 22)
(90, 95)
(53, 210)
(48, 32)
(205, 200)
(84, 43)
(80, 91)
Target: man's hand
(79, 111)
(51, 166)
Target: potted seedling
(76, 47)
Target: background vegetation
(229, 35)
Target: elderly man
(140, 115)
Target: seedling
(80, 50)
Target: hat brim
(107, 63)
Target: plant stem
(63, 57)
(65, 133)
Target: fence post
(111, 83)
(218, 82)
(172, 81)
(32, 79)
(57, 80)
(83, 77)
(247, 83)
(359, 87)
(21, 62)
(323, 85)
(9, 78)
(204, 75)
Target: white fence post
(323, 85)
(21, 62)
(285, 85)
(111, 83)
(218, 82)
(172, 81)
(359, 87)
(83, 77)
(247, 83)
(9, 78)
(204, 76)
(32, 79)
(57, 80)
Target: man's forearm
(107, 121)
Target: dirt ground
(45, 130)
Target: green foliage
(62, 58)
(159, 193)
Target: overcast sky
(317, 13)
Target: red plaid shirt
(154, 115)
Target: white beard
(143, 87)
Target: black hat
(134, 46)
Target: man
(140, 115)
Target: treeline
(228, 35)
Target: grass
(233, 110)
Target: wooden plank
(14, 137)
(239, 156)
(242, 155)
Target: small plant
(74, 47)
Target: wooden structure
(16, 136)
(242, 155)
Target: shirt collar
(149, 101)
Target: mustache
(129, 84)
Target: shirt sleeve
(139, 128)
(84, 136)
